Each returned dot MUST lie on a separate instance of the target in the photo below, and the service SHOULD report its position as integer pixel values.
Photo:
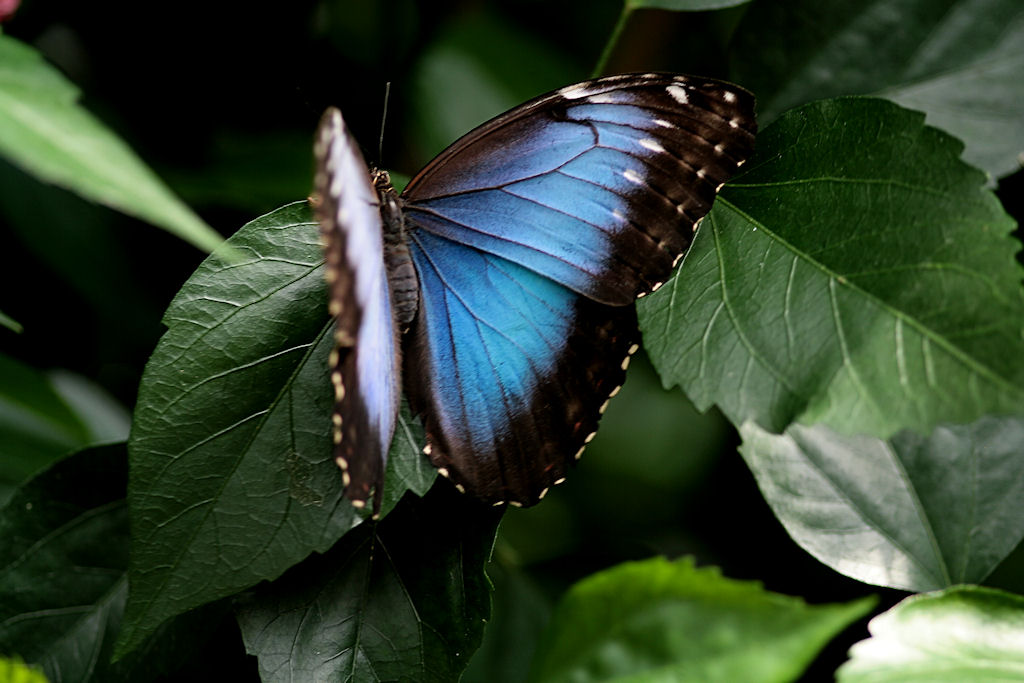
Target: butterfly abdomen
(401, 273)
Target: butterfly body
(506, 270)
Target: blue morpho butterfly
(497, 288)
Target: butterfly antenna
(383, 120)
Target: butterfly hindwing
(364, 366)
(511, 369)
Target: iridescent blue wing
(531, 235)
(364, 366)
(598, 185)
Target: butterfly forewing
(364, 365)
(530, 236)
(597, 186)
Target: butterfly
(497, 289)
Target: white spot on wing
(729, 97)
(678, 93)
(632, 176)
(662, 122)
(603, 98)
(652, 145)
(574, 92)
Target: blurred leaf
(405, 599)
(466, 77)
(10, 323)
(104, 419)
(858, 275)
(684, 5)
(966, 633)
(231, 438)
(671, 621)
(62, 575)
(958, 60)
(894, 513)
(36, 425)
(44, 131)
(519, 614)
(253, 172)
(16, 671)
(44, 416)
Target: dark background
(222, 101)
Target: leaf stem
(613, 39)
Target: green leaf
(519, 614)
(915, 512)
(231, 438)
(662, 620)
(684, 5)
(958, 60)
(104, 419)
(45, 132)
(966, 633)
(858, 275)
(403, 599)
(16, 671)
(36, 424)
(45, 416)
(63, 581)
(10, 323)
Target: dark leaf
(402, 599)
(232, 479)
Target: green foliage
(44, 130)
(63, 580)
(661, 620)
(858, 275)
(45, 416)
(894, 513)
(255, 331)
(852, 306)
(10, 323)
(684, 5)
(16, 671)
(957, 60)
(405, 598)
(964, 633)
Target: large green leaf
(915, 512)
(661, 620)
(405, 599)
(47, 133)
(960, 634)
(63, 581)
(958, 60)
(858, 275)
(232, 477)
